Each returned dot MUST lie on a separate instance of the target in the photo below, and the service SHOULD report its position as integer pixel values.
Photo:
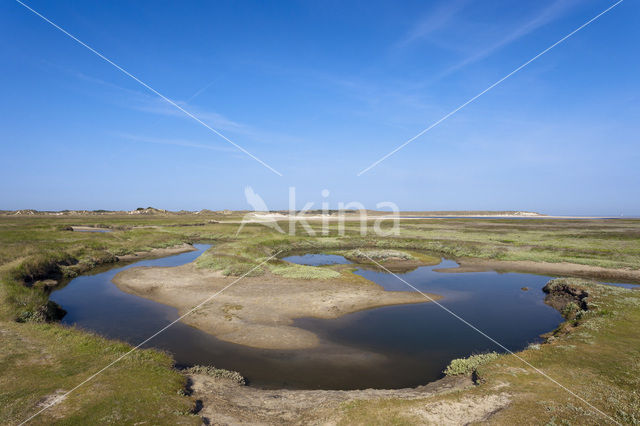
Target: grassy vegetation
(612, 244)
(468, 365)
(217, 373)
(378, 255)
(229, 265)
(304, 272)
(41, 361)
(38, 359)
(605, 243)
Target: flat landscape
(594, 350)
(320, 213)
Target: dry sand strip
(259, 311)
(157, 252)
(225, 402)
(561, 269)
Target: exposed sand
(225, 402)
(464, 411)
(547, 268)
(89, 229)
(158, 252)
(257, 311)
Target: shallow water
(624, 285)
(390, 347)
(420, 340)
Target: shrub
(41, 266)
(229, 265)
(468, 365)
(304, 272)
(218, 373)
(570, 310)
(49, 311)
(379, 255)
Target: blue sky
(319, 91)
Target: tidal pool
(389, 347)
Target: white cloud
(543, 17)
(149, 103)
(448, 28)
(200, 91)
(437, 19)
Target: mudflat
(157, 252)
(257, 311)
(547, 268)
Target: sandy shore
(89, 229)
(257, 311)
(546, 268)
(157, 252)
(226, 402)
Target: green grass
(469, 365)
(377, 255)
(229, 265)
(41, 360)
(304, 272)
(217, 373)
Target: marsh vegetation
(595, 350)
